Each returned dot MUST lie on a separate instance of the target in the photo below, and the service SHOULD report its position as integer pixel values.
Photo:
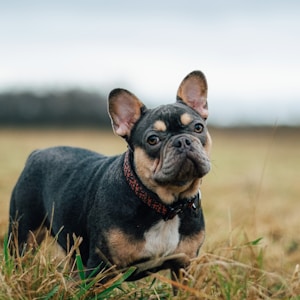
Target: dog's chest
(162, 238)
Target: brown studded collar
(151, 199)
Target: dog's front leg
(96, 263)
(175, 275)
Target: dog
(140, 208)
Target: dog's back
(49, 176)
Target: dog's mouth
(180, 165)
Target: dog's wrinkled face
(170, 142)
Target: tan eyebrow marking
(186, 119)
(160, 126)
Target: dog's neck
(151, 199)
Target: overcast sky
(249, 51)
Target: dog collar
(151, 199)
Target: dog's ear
(193, 92)
(125, 109)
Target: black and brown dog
(139, 207)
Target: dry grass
(254, 189)
(250, 201)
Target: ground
(251, 193)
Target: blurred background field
(251, 192)
(60, 59)
(249, 51)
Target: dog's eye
(198, 128)
(153, 140)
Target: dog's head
(170, 143)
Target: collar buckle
(179, 207)
(173, 211)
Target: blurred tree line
(53, 108)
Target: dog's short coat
(139, 208)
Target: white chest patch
(162, 239)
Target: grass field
(251, 206)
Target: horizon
(248, 52)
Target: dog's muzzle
(182, 159)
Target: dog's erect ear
(124, 109)
(193, 92)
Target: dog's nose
(182, 142)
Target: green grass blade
(51, 293)
(9, 264)
(117, 283)
(80, 267)
(255, 242)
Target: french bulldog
(140, 208)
